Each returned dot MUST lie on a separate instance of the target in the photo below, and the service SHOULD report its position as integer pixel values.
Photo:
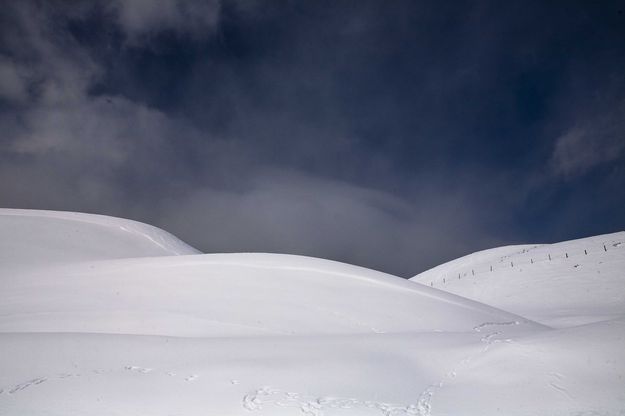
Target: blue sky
(390, 135)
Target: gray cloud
(590, 143)
(13, 86)
(141, 19)
(330, 219)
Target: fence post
(549, 257)
(604, 248)
(585, 252)
(567, 255)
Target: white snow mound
(35, 237)
(104, 316)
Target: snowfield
(104, 316)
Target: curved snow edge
(155, 235)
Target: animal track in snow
(489, 338)
(26, 384)
(137, 369)
(315, 406)
(425, 398)
(63, 376)
(485, 324)
(67, 375)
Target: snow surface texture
(103, 316)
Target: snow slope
(568, 283)
(117, 322)
(33, 237)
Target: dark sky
(389, 134)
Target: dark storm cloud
(390, 136)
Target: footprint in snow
(26, 384)
(137, 369)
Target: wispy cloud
(141, 19)
(590, 143)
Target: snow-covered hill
(568, 283)
(102, 316)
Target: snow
(568, 283)
(104, 316)
(32, 237)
